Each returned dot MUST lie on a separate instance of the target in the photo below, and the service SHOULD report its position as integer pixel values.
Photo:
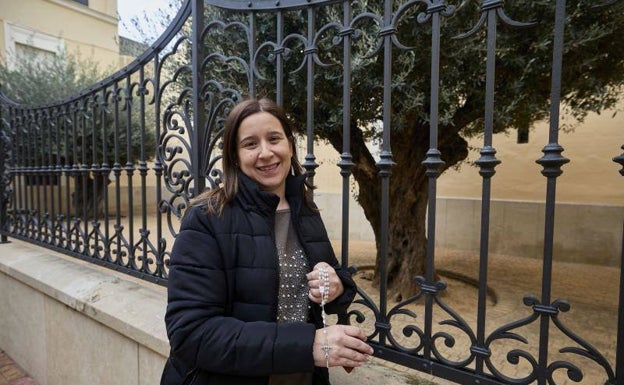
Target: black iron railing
(73, 179)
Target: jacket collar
(251, 196)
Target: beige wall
(88, 31)
(590, 197)
(590, 177)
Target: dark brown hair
(219, 197)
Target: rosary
(324, 289)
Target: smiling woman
(252, 272)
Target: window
(22, 42)
(27, 52)
(83, 2)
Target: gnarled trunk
(88, 196)
(407, 211)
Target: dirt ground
(591, 291)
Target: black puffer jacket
(223, 290)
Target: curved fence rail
(74, 181)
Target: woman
(252, 271)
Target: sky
(129, 8)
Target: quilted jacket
(223, 290)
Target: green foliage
(592, 75)
(34, 81)
(79, 132)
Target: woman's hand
(315, 282)
(345, 346)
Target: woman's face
(264, 151)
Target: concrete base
(68, 322)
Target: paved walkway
(11, 373)
(374, 373)
(592, 292)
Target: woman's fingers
(341, 345)
(329, 281)
(315, 296)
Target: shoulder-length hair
(216, 199)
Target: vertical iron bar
(199, 113)
(59, 178)
(143, 168)
(58, 170)
(279, 57)
(310, 164)
(251, 39)
(20, 194)
(75, 172)
(84, 171)
(30, 172)
(106, 170)
(38, 169)
(552, 162)
(158, 172)
(619, 355)
(48, 184)
(14, 163)
(43, 177)
(25, 173)
(19, 169)
(117, 173)
(129, 168)
(346, 163)
(23, 168)
(67, 170)
(433, 163)
(384, 165)
(94, 162)
(5, 132)
(96, 172)
(487, 162)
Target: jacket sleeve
(200, 332)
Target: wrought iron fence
(75, 181)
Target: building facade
(86, 28)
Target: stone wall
(65, 321)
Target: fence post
(4, 175)
(619, 354)
(198, 131)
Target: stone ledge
(132, 307)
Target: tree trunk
(88, 196)
(407, 240)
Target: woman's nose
(265, 150)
